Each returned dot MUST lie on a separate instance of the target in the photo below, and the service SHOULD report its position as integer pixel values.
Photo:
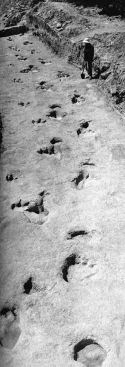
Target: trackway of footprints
(87, 351)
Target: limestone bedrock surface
(62, 215)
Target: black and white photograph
(62, 183)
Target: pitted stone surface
(62, 214)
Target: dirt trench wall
(50, 24)
(60, 45)
(106, 66)
(13, 30)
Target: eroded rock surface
(62, 257)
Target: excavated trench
(10, 31)
(108, 71)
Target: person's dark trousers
(88, 66)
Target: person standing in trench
(88, 56)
